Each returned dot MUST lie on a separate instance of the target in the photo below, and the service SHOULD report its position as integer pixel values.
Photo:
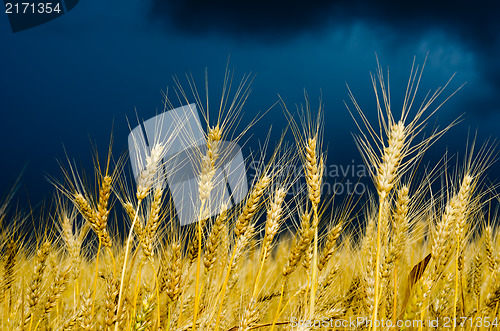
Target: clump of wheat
(275, 261)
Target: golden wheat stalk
(302, 241)
(34, 288)
(314, 175)
(205, 186)
(251, 205)
(329, 246)
(145, 182)
(387, 173)
(149, 234)
(213, 241)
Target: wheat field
(112, 255)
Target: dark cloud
(265, 19)
(473, 24)
(259, 19)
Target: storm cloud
(473, 25)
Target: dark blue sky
(75, 77)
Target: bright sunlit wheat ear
(198, 167)
(391, 150)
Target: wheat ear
(172, 274)
(9, 271)
(462, 210)
(250, 316)
(73, 245)
(102, 209)
(302, 241)
(214, 239)
(97, 218)
(492, 298)
(149, 233)
(56, 289)
(313, 173)
(488, 247)
(35, 286)
(110, 302)
(272, 225)
(329, 246)
(86, 322)
(387, 172)
(251, 205)
(456, 207)
(142, 320)
(173, 271)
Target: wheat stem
(94, 291)
(127, 248)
